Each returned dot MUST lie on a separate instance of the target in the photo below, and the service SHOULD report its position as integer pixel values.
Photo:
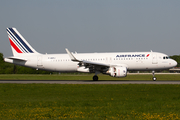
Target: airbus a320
(115, 64)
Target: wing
(85, 62)
(93, 66)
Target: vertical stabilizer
(18, 44)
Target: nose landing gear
(154, 78)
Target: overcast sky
(50, 26)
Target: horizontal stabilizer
(17, 58)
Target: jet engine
(117, 71)
(83, 69)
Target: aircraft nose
(174, 63)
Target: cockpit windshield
(166, 57)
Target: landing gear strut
(154, 78)
(95, 78)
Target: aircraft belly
(66, 67)
(140, 66)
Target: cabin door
(154, 59)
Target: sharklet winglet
(71, 56)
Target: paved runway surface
(87, 82)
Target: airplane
(115, 64)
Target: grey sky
(93, 25)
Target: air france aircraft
(113, 64)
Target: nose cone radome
(173, 63)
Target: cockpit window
(165, 57)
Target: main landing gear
(154, 78)
(95, 78)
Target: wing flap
(96, 63)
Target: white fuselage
(130, 60)
(114, 64)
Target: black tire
(95, 78)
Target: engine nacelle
(83, 69)
(117, 71)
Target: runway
(86, 82)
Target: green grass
(86, 77)
(56, 101)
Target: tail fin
(18, 44)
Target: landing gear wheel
(95, 78)
(154, 78)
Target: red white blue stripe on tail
(18, 43)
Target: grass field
(86, 77)
(56, 101)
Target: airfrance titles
(133, 55)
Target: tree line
(8, 68)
